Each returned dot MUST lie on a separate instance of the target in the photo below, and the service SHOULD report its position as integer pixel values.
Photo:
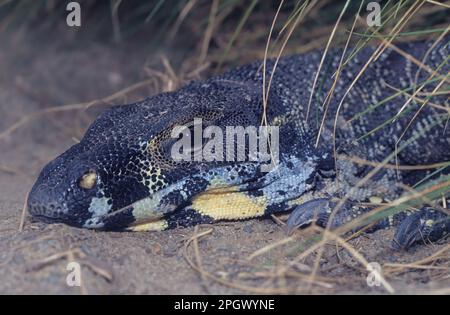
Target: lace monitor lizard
(122, 176)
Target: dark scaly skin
(138, 186)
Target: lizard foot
(427, 224)
(319, 210)
(313, 211)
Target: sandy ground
(34, 260)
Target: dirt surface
(34, 260)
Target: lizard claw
(319, 211)
(427, 224)
(316, 210)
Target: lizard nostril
(40, 204)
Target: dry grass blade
(24, 212)
(264, 117)
(416, 195)
(419, 264)
(399, 26)
(330, 93)
(427, 54)
(415, 115)
(439, 4)
(236, 32)
(52, 258)
(115, 4)
(444, 79)
(208, 32)
(282, 270)
(198, 256)
(270, 247)
(414, 266)
(417, 62)
(99, 268)
(420, 100)
(396, 167)
(330, 39)
(266, 93)
(304, 11)
(181, 16)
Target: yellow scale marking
(223, 204)
(158, 225)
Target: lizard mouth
(54, 218)
(49, 210)
(47, 219)
(216, 203)
(146, 214)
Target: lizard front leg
(427, 224)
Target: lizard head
(123, 172)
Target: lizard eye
(88, 180)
